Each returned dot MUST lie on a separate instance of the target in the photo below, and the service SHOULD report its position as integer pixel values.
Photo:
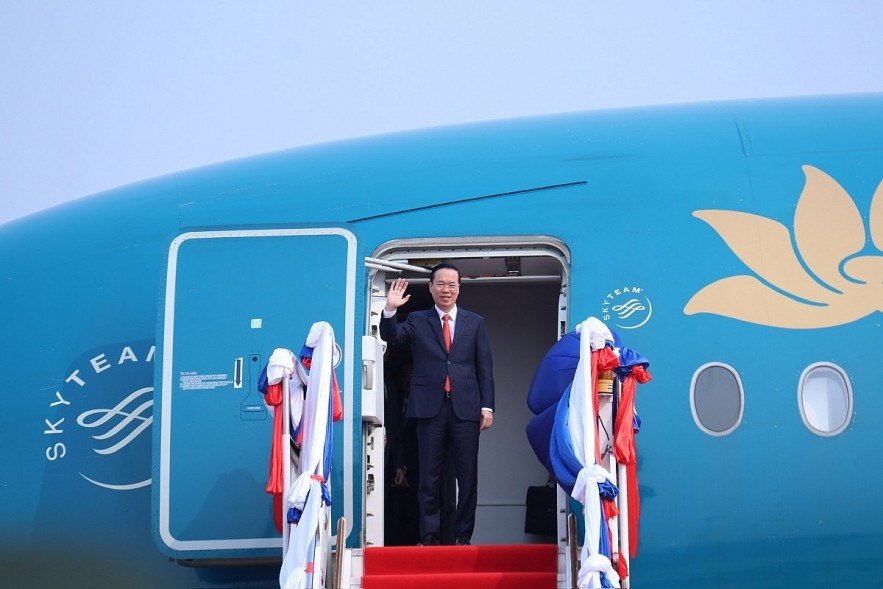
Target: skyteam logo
(627, 307)
(99, 422)
(824, 273)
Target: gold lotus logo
(829, 275)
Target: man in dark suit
(452, 394)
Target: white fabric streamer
(305, 493)
(590, 569)
(281, 364)
(580, 418)
(585, 490)
(598, 333)
(293, 574)
(594, 335)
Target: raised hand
(396, 296)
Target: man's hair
(442, 266)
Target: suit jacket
(469, 363)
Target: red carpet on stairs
(510, 566)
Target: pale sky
(100, 93)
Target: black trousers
(434, 436)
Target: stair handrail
(339, 549)
(573, 550)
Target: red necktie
(446, 331)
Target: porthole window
(717, 399)
(825, 399)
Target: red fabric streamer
(610, 508)
(336, 403)
(626, 450)
(276, 481)
(277, 511)
(607, 359)
(624, 434)
(274, 399)
(622, 567)
(634, 503)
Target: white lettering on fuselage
(605, 304)
(627, 307)
(97, 365)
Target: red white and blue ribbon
(564, 397)
(314, 404)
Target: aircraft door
(231, 298)
(502, 277)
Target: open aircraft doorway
(520, 285)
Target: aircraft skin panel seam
(468, 200)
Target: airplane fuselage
(736, 245)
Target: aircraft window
(825, 399)
(717, 399)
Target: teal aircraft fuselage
(738, 246)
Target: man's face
(445, 288)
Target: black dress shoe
(429, 540)
(463, 542)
